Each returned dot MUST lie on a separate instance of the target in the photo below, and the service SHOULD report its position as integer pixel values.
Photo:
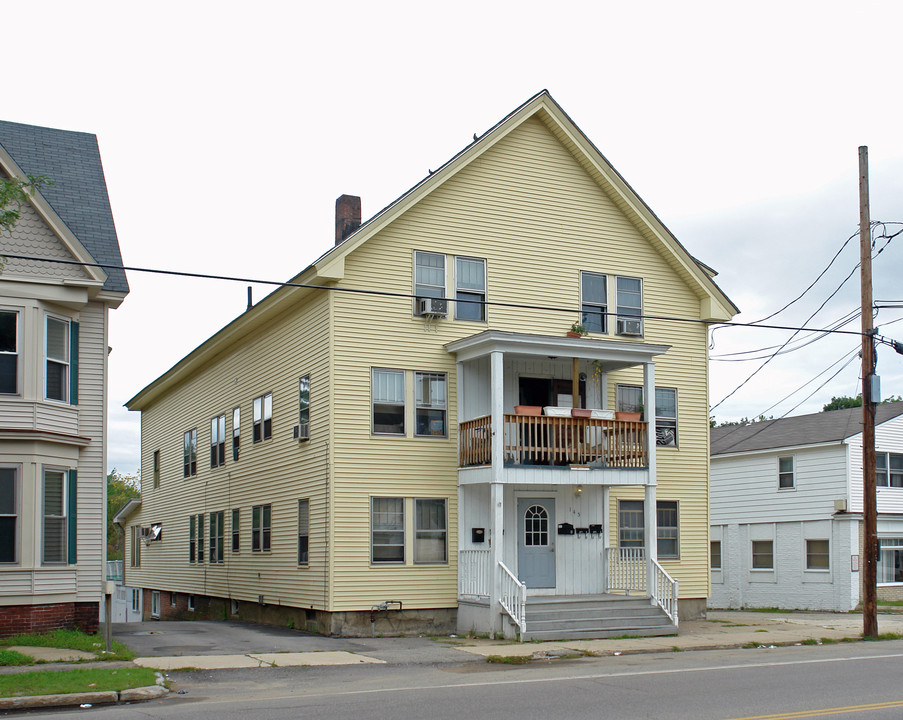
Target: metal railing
(664, 591)
(514, 598)
(473, 573)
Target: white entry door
(536, 542)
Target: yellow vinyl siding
(531, 211)
(278, 471)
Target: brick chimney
(347, 216)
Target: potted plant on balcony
(577, 330)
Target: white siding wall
(888, 438)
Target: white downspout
(497, 496)
(650, 514)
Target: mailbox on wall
(477, 535)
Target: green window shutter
(73, 363)
(73, 525)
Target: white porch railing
(473, 573)
(626, 569)
(664, 591)
(514, 598)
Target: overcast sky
(228, 129)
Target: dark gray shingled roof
(823, 427)
(79, 194)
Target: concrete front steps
(585, 617)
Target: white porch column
(650, 514)
(497, 489)
(606, 533)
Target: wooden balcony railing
(543, 440)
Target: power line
(412, 296)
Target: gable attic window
(470, 285)
(190, 453)
(630, 306)
(429, 275)
(263, 418)
(218, 441)
(785, 473)
(594, 302)
(9, 352)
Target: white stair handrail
(513, 598)
(664, 591)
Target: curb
(109, 697)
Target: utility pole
(869, 495)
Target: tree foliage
(120, 489)
(14, 193)
(845, 401)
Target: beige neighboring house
(405, 438)
(53, 382)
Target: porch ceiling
(613, 354)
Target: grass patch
(809, 641)
(760, 630)
(767, 610)
(735, 625)
(890, 603)
(751, 645)
(73, 681)
(883, 636)
(676, 648)
(509, 659)
(11, 657)
(71, 640)
(828, 641)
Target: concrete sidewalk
(230, 645)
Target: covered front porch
(540, 448)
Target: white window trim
(792, 473)
(68, 361)
(155, 603)
(417, 530)
(404, 402)
(17, 512)
(218, 441)
(65, 516)
(404, 532)
(617, 306)
(484, 307)
(806, 568)
(751, 554)
(606, 314)
(18, 352)
(444, 275)
(305, 503)
(417, 407)
(191, 436)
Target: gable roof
(79, 193)
(330, 267)
(833, 426)
(715, 304)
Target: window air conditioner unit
(301, 432)
(630, 327)
(432, 307)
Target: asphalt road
(856, 680)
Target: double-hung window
(303, 531)
(263, 418)
(715, 551)
(9, 352)
(236, 528)
(632, 526)
(156, 468)
(304, 407)
(890, 560)
(889, 470)
(387, 530)
(55, 530)
(818, 556)
(630, 306)
(190, 453)
(216, 537)
(470, 287)
(388, 401)
(137, 539)
(785, 473)
(56, 353)
(763, 554)
(630, 398)
(236, 433)
(430, 530)
(430, 404)
(594, 302)
(9, 513)
(665, 417)
(192, 538)
(260, 528)
(201, 538)
(218, 441)
(429, 275)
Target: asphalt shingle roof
(79, 194)
(823, 427)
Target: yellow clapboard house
(441, 455)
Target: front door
(536, 542)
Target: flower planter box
(581, 412)
(528, 410)
(553, 411)
(571, 333)
(602, 414)
(628, 416)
